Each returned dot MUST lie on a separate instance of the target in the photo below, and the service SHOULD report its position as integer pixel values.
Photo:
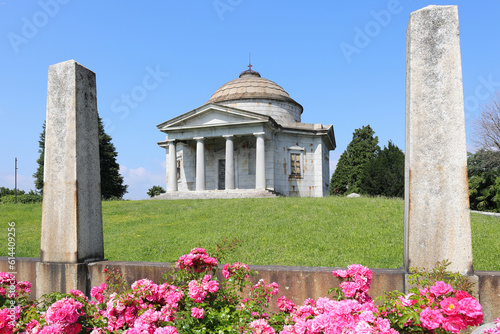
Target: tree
(484, 180)
(385, 174)
(486, 128)
(111, 181)
(155, 191)
(483, 161)
(360, 150)
(39, 171)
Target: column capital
(259, 134)
(228, 136)
(199, 139)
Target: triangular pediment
(212, 115)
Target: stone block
(71, 214)
(60, 277)
(437, 217)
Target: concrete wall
(297, 283)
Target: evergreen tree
(38, 175)
(385, 175)
(362, 148)
(111, 181)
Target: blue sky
(344, 61)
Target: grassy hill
(332, 231)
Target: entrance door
(222, 174)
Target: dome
(250, 85)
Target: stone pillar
(200, 164)
(172, 167)
(260, 161)
(437, 217)
(229, 162)
(71, 213)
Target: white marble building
(248, 136)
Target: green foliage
(484, 180)
(421, 278)
(483, 161)
(31, 197)
(362, 148)
(155, 191)
(385, 175)
(38, 175)
(112, 186)
(8, 196)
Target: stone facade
(248, 136)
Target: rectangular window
(295, 165)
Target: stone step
(214, 194)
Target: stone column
(229, 162)
(260, 161)
(71, 214)
(200, 164)
(172, 166)
(437, 218)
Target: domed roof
(250, 85)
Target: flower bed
(193, 300)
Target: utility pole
(15, 183)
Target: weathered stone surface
(60, 277)
(437, 218)
(71, 217)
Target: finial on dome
(250, 71)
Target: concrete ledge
(489, 293)
(297, 283)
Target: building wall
(281, 112)
(311, 180)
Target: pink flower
(166, 330)
(340, 273)
(470, 307)
(362, 327)
(450, 306)
(64, 311)
(431, 319)
(197, 313)
(96, 292)
(261, 326)
(196, 291)
(349, 288)
(285, 305)
(210, 286)
(440, 288)
(406, 301)
(454, 324)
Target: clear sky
(344, 61)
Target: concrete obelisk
(71, 215)
(437, 216)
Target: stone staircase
(213, 194)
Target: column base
(61, 277)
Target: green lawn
(332, 231)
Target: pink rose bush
(493, 330)
(193, 300)
(439, 308)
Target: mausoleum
(248, 135)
